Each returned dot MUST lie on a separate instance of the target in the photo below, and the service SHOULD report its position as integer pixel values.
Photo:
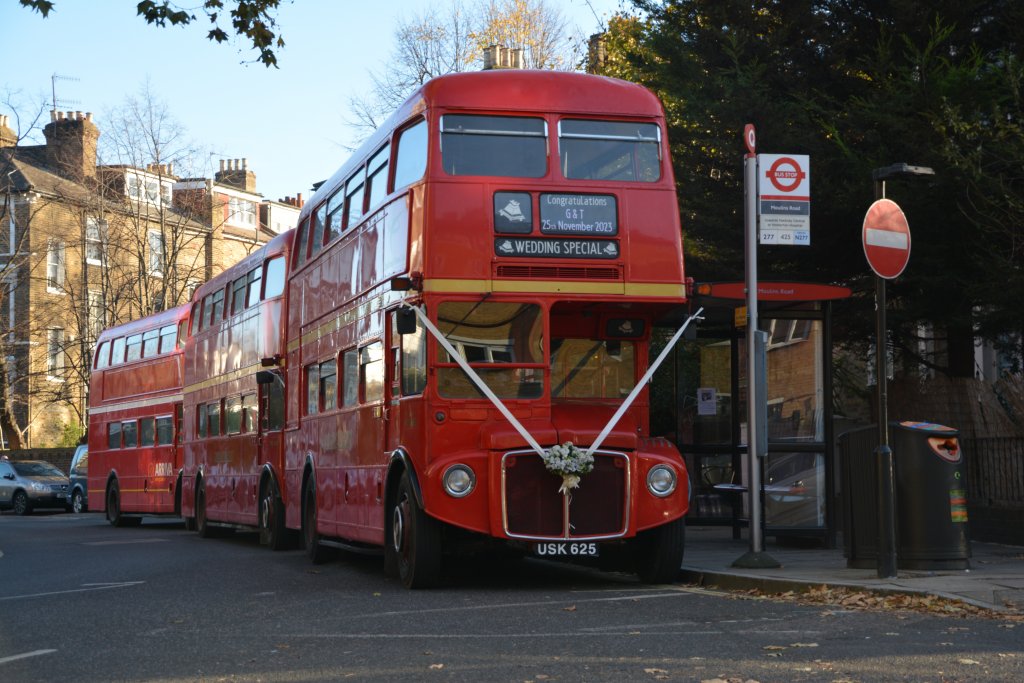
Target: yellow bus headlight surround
(661, 481)
(459, 481)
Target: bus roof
(172, 316)
(540, 91)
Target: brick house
(85, 246)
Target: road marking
(542, 603)
(86, 587)
(128, 542)
(26, 655)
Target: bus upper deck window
(274, 279)
(354, 199)
(300, 242)
(507, 146)
(317, 239)
(377, 176)
(168, 338)
(103, 355)
(334, 215)
(411, 157)
(610, 150)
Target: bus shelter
(700, 399)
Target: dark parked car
(78, 493)
(29, 484)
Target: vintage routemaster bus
(475, 286)
(135, 418)
(233, 462)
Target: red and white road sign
(886, 239)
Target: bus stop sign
(886, 239)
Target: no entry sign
(886, 239)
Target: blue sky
(290, 122)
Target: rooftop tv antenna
(53, 91)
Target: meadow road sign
(784, 199)
(886, 239)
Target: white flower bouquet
(568, 462)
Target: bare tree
(436, 43)
(88, 246)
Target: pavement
(994, 579)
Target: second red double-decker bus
(470, 309)
(135, 418)
(234, 399)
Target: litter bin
(931, 497)
(859, 492)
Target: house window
(156, 253)
(241, 212)
(55, 266)
(54, 351)
(97, 312)
(95, 232)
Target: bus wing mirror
(265, 377)
(405, 321)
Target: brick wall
(58, 457)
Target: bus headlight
(661, 480)
(458, 481)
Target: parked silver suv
(29, 484)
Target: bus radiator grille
(560, 272)
(535, 509)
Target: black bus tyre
(21, 504)
(271, 518)
(414, 540)
(203, 527)
(658, 553)
(114, 515)
(318, 554)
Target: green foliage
(71, 434)
(253, 19)
(857, 86)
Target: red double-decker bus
(135, 418)
(234, 400)
(474, 287)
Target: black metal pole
(884, 460)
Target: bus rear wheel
(658, 552)
(317, 552)
(271, 521)
(413, 544)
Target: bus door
(270, 423)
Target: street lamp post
(886, 564)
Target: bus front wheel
(413, 545)
(317, 552)
(658, 552)
(272, 531)
(203, 527)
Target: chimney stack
(71, 140)
(501, 57)
(8, 138)
(236, 173)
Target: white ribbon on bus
(486, 390)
